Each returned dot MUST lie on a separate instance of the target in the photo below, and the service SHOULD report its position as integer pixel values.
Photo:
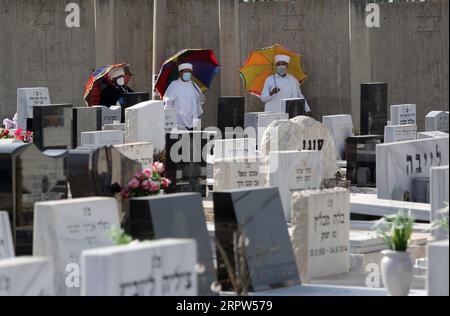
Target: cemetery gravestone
(361, 160)
(404, 114)
(258, 215)
(102, 138)
(293, 107)
(145, 123)
(292, 171)
(52, 126)
(160, 268)
(264, 120)
(170, 119)
(141, 152)
(427, 135)
(114, 127)
(399, 133)
(186, 162)
(231, 116)
(6, 241)
(87, 119)
(131, 99)
(341, 127)
(234, 148)
(251, 119)
(374, 108)
(63, 229)
(238, 173)
(302, 133)
(438, 267)
(439, 197)
(111, 115)
(26, 277)
(406, 161)
(321, 224)
(27, 98)
(437, 121)
(175, 216)
(28, 176)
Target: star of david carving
(45, 18)
(293, 21)
(428, 22)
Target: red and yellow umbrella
(261, 64)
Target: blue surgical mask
(187, 76)
(281, 70)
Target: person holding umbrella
(281, 86)
(115, 89)
(186, 97)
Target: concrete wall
(37, 49)
(319, 30)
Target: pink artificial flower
(145, 185)
(155, 186)
(166, 183)
(18, 132)
(29, 133)
(21, 138)
(29, 140)
(159, 167)
(134, 184)
(147, 173)
(125, 194)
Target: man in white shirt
(281, 86)
(186, 97)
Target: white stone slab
(110, 115)
(399, 133)
(439, 197)
(438, 278)
(238, 173)
(321, 225)
(102, 138)
(265, 119)
(405, 161)
(403, 114)
(302, 133)
(437, 121)
(145, 122)
(157, 268)
(341, 127)
(170, 116)
(292, 171)
(369, 204)
(6, 241)
(114, 127)
(26, 277)
(26, 99)
(234, 148)
(434, 134)
(63, 229)
(141, 152)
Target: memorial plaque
(238, 173)
(85, 120)
(160, 268)
(6, 241)
(293, 107)
(399, 133)
(403, 114)
(175, 216)
(374, 108)
(28, 176)
(52, 126)
(361, 160)
(186, 162)
(63, 229)
(231, 116)
(27, 98)
(258, 215)
(437, 121)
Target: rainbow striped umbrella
(261, 64)
(205, 67)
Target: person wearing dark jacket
(115, 88)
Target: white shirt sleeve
(265, 95)
(170, 96)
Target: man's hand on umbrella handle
(274, 91)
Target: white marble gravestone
(234, 148)
(27, 276)
(110, 115)
(102, 138)
(141, 152)
(6, 241)
(434, 134)
(264, 120)
(438, 268)
(145, 122)
(238, 173)
(403, 114)
(292, 171)
(405, 161)
(439, 197)
(114, 127)
(302, 133)
(170, 116)
(158, 268)
(26, 99)
(341, 127)
(437, 121)
(320, 238)
(399, 133)
(63, 229)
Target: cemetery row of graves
(264, 203)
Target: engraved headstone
(293, 107)
(374, 108)
(102, 138)
(6, 241)
(52, 126)
(437, 121)
(403, 114)
(231, 116)
(27, 98)
(264, 121)
(341, 127)
(141, 152)
(399, 133)
(111, 115)
(234, 148)
(87, 119)
(439, 197)
(170, 119)
(238, 173)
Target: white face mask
(121, 81)
(281, 70)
